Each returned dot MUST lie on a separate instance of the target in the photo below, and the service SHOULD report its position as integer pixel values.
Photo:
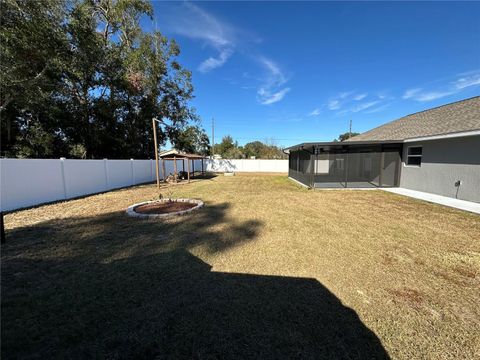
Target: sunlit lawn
(266, 270)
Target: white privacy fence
(247, 165)
(29, 182)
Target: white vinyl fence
(247, 165)
(29, 182)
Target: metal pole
(175, 167)
(188, 169)
(156, 151)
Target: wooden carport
(175, 155)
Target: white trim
(445, 136)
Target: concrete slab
(437, 199)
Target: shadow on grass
(119, 287)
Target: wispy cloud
(418, 94)
(467, 81)
(461, 83)
(333, 104)
(377, 109)
(191, 21)
(266, 97)
(272, 89)
(365, 106)
(351, 102)
(315, 112)
(359, 97)
(212, 62)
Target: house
(435, 151)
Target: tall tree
(33, 43)
(193, 140)
(94, 86)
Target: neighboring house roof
(170, 154)
(457, 117)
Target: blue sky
(299, 71)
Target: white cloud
(468, 81)
(212, 63)
(359, 97)
(345, 94)
(420, 95)
(272, 89)
(266, 97)
(315, 112)
(333, 104)
(410, 93)
(433, 95)
(347, 101)
(377, 109)
(365, 106)
(191, 21)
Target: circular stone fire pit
(164, 208)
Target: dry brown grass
(266, 270)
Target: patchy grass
(266, 270)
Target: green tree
(347, 135)
(33, 42)
(225, 147)
(254, 148)
(82, 78)
(194, 140)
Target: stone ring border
(131, 209)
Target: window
(414, 156)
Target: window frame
(414, 156)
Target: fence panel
(247, 165)
(144, 171)
(120, 173)
(85, 177)
(27, 182)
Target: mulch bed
(164, 207)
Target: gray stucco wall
(443, 163)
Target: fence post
(64, 184)
(133, 171)
(105, 167)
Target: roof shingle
(456, 117)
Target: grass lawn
(266, 270)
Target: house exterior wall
(444, 162)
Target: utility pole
(213, 137)
(350, 132)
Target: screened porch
(340, 165)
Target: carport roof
(339, 143)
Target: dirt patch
(411, 296)
(465, 271)
(164, 207)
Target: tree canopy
(347, 135)
(229, 149)
(83, 79)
